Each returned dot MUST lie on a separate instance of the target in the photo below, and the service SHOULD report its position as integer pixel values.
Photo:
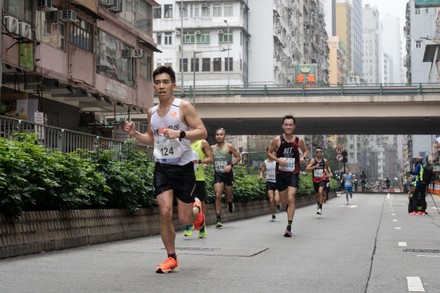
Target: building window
(194, 64)
(225, 38)
(217, 10)
(418, 44)
(205, 10)
(217, 64)
(228, 64)
(159, 38)
(81, 35)
(417, 11)
(184, 65)
(189, 37)
(168, 11)
(168, 39)
(206, 64)
(108, 60)
(204, 37)
(228, 9)
(49, 30)
(146, 69)
(157, 12)
(22, 10)
(194, 10)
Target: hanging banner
(26, 55)
(306, 75)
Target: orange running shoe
(169, 265)
(200, 221)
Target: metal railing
(286, 90)
(65, 140)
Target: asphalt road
(371, 245)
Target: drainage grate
(421, 250)
(198, 248)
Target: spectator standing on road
(355, 183)
(223, 174)
(387, 184)
(363, 181)
(287, 147)
(348, 185)
(320, 171)
(268, 167)
(171, 125)
(204, 156)
(418, 200)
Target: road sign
(339, 150)
(339, 157)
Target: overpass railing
(340, 90)
(65, 140)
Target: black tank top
(288, 150)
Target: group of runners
(181, 151)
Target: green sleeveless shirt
(199, 169)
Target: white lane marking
(402, 243)
(415, 284)
(398, 228)
(422, 255)
(388, 195)
(393, 214)
(394, 220)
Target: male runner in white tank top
(172, 124)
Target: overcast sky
(391, 7)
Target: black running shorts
(226, 178)
(200, 191)
(181, 179)
(285, 180)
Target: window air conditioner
(137, 53)
(67, 15)
(11, 24)
(112, 5)
(177, 33)
(106, 2)
(132, 53)
(45, 6)
(25, 30)
(220, 32)
(197, 32)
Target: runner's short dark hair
(165, 69)
(287, 117)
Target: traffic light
(344, 157)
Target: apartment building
(77, 58)
(240, 42)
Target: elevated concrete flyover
(334, 110)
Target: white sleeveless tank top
(170, 151)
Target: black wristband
(200, 161)
(232, 165)
(182, 135)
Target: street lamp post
(194, 70)
(181, 48)
(229, 65)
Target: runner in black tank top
(285, 150)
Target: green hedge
(35, 178)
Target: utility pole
(229, 64)
(181, 49)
